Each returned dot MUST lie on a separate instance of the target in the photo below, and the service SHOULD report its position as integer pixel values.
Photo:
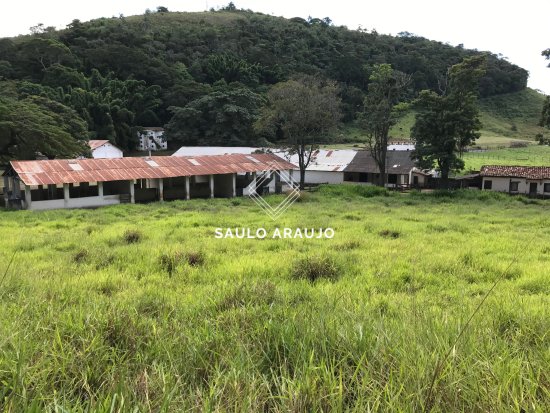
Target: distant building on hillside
(152, 139)
(104, 149)
(526, 180)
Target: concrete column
(66, 195)
(211, 182)
(132, 192)
(187, 189)
(234, 179)
(28, 200)
(100, 189)
(161, 190)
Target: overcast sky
(519, 30)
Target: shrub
(313, 268)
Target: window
(514, 186)
(547, 187)
(487, 184)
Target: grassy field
(533, 155)
(140, 308)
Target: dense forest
(204, 75)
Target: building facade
(103, 149)
(152, 139)
(525, 180)
(85, 183)
(400, 170)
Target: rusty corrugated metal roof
(60, 171)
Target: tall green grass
(140, 308)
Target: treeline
(209, 70)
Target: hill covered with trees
(114, 75)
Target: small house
(103, 149)
(325, 166)
(526, 180)
(400, 170)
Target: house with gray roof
(400, 169)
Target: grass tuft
(132, 236)
(80, 256)
(389, 233)
(314, 268)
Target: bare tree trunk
(302, 178)
(444, 169)
(382, 167)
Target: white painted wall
(321, 177)
(86, 202)
(107, 150)
(502, 184)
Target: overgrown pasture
(141, 308)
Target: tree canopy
(447, 123)
(38, 126)
(121, 73)
(382, 107)
(299, 113)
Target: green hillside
(506, 118)
(110, 76)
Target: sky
(519, 30)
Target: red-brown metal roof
(97, 143)
(62, 171)
(528, 172)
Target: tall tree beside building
(37, 126)
(299, 114)
(381, 111)
(449, 122)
